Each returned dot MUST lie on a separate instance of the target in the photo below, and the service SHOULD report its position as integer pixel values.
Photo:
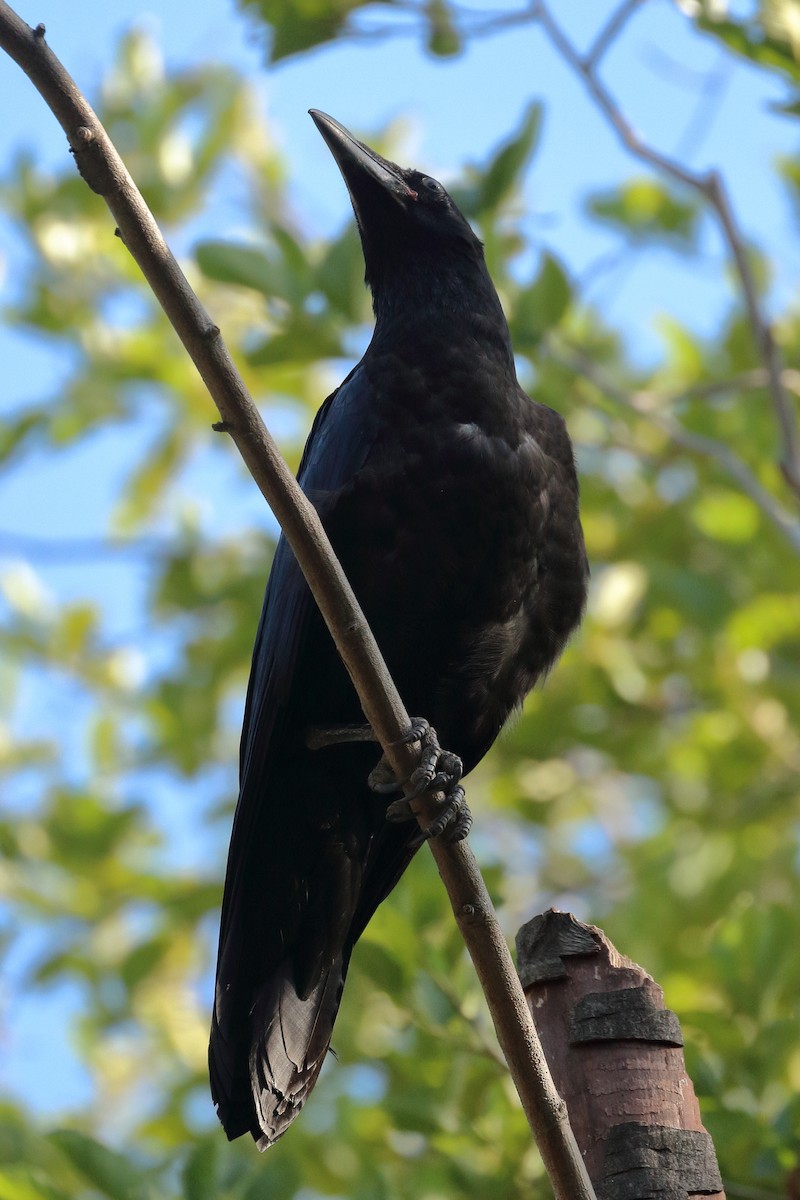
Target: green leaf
(505, 169)
(751, 40)
(152, 478)
(341, 276)
(381, 966)
(143, 961)
(245, 266)
(17, 431)
(768, 620)
(300, 26)
(443, 37)
(23, 1183)
(306, 339)
(543, 304)
(84, 830)
(200, 1171)
(646, 209)
(110, 1173)
(727, 515)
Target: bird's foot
(438, 771)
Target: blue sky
(454, 113)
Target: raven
(451, 500)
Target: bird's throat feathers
(451, 284)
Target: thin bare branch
(610, 32)
(712, 189)
(652, 407)
(709, 105)
(748, 381)
(104, 171)
(474, 22)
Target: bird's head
(409, 225)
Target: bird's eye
(432, 185)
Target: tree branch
(610, 31)
(643, 404)
(712, 189)
(104, 171)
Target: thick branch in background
(616, 1056)
(104, 171)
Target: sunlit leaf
(752, 40)
(645, 208)
(727, 515)
(295, 28)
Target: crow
(451, 500)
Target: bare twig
(104, 171)
(475, 22)
(712, 189)
(480, 1042)
(646, 404)
(610, 31)
(707, 108)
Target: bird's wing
(340, 439)
(338, 445)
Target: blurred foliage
(653, 783)
(645, 210)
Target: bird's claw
(438, 771)
(453, 821)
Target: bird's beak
(360, 166)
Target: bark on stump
(616, 1056)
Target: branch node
(472, 913)
(710, 185)
(211, 332)
(89, 160)
(39, 31)
(222, 427)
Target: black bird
(451, 500)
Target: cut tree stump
(616, 1056)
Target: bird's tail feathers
(290, 1037)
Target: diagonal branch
(104, 171)
(610, 31)
(712, 189)
(642, 403)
